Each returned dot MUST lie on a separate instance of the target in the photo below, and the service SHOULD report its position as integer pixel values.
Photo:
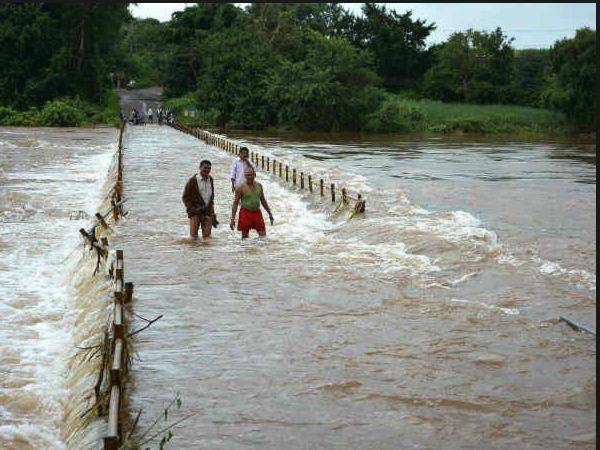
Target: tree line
(312, 66)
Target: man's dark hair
(244, 149)
(205, 162)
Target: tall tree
(186, 32)
(572, 84)
(23, 58)
(50, 50)
(474, 66)
(331, 89)
(397, 42)
(143, 52)
(531, 68)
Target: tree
(54, 50)
(22, 57)
(531, 68)
(397, 43)
(572, 84)
(234, 65)
(143, 53)
(186, 33)
(331, 90)
(474, 66)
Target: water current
(48, 177)
(430, 322)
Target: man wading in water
(198, 198)
(238, 168)
(252, 196)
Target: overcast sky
(533, 25)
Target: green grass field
(398, 114)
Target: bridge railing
(118, 347)
(281, 169)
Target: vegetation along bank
(310, 66)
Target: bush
(9, 116)
(61, 113)
(395, 116)
(203, 117)
(572, 83)
(464, 125)
(179, 104)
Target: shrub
(464, 125)
(9, 116)
(395, 116)
(61, 113)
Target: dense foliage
(572, 87)
(318, 67)
(531, 68)
(55, 59)
(312, 66)
(472, 67)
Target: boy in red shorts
(251, 195)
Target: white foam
(579, 277)
(507, 311)
(38, 291)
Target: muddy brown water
(430, 322)
(50, 179)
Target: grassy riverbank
(64, 112)
(398, 114)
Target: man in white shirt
(150, 118)
(198, 198)
(239, 167)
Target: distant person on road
(198, 198)
(150, 118)
(238, 168)
(251, 195)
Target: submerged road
(409, 328)
(330, 335)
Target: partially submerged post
(111, 440)
(101, 220)
(128, 292)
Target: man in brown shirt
(198, 198)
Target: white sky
(533, 25)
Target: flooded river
(46, 177)
(431, 322)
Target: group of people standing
(137, 117)
(161, 116)
(199, 194)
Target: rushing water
(45, 175)
(430, 322)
